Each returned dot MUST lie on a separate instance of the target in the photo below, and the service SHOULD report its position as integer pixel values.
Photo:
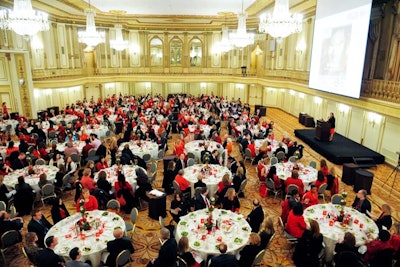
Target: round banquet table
(92, 247)
(4, 123)
(275, 144)
(66, 118)
(197, 146)
(211, 178)
(234, 230)
(146, 147)
(205, 128)
(3, 149)
(99, 129)
(363, 227)
(306, 173)
(127, 170)
(78, 144)
(11, 179)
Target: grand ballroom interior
(97, 49)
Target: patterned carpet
(145, 239)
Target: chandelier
(118, 43)
(241, 38)
(91, 37)
(23, 20)
(225, 44)
(281, 23)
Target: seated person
(7, 224)
(48, 257)
(382, 243)
(178, 207)
(184, 184)
(39, 225)
(249, 252)
(116, 246)
(75, 254)
(230, 201)
(90, 202)
(311, 197)
(31, 248)
(296, 225)
(361, 203)
(295, 180)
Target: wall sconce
(203, 85)
(374, 118)
(21, 81)
(301, 46)
(317, 100)
(258, 50)
(344, 109)
(147, 85)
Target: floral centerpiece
(31, 170)
(343, 204)
(212, 203)
(83, 224)
(209, 222)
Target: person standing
(256, 216)
(332, 121)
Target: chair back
(134, 214)
(291, 188)
(76, 158)
(190, 162)
(274, 160)
(180, 262)
(313, 164)
(190, 155)
(13, 211)
(176, 187)
(92, 152)
(10, 238)
(270, 184)
(123, 258)
(270, 240)
(242, 186)
(336, 199)
(146, 157)
(113, 204)
(3, 205)
(66, 181)
(322, 188)
(153, 167)
(161, 221)
(40, 162)
(280, 156)
(258, 258)
(161, 154)
(47, 190)
(293, 159)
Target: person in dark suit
(180, 163)
(20, 162)
(200, 201)
(39, 225)
(47, 257)
(361, 203)
(168, 252)
(256, 216)
(116, 246)
(280, 148)
(7, 224)
(249, 252)
(223, 259)
(214, 157)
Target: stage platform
(340, 150)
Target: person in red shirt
(395, 239)
(295, 180)
(184, 184)
(262, 170)
(296, 225)
(179, 147)
(90, 202)
(88, 182)
(374, 247)
(102, 164)
(324, 167)
(311, 197)
(321, 179)
(252, 148)
(86, 148)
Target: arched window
(195, 53)
(176, 52)
(156, 52)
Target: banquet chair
(28, 257)
(146, 157)
(190, 155)
(77, 159)
(313, 164)
(242, 187)
(258, 259)
(175, 185)
(280, 156)
(337, 199)
(321, 191)
(8, 240)
(66, 185)
(247, 155)
(113, 206)
(289, 238)
(123, 258)
(3, 205)
(47, 192)
(152, 167)
(293, 159)
(40, 162)
(190, 162)
(180, 262)
(161, 154)
(271, 187)
(52, 137)
(274, 160)
(130, 226)
(13, 211)
(290, 189)
(92, 156)
(152, 177)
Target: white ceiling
(172, 7)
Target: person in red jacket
(184, 184)
(90, 202)
(294, 179)
(311, 197)
(296, 225)
(102, 164)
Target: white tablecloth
(78, 144)
(98, 129)
(234, 230)
(195, 147)
(92, 246)
(3, 149)
(275, 144)
(210, 178)
(4, 124)
(127, 170)
(306, 173)
(66, 118)
(146, 147)
(336, 232)
(205, 128)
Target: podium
(322, 132)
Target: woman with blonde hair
(230, 201)
(384, 219)
(89, 202)
(223, 185)
(266, 231)
(184, 252)
(249, 252)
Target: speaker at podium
(322, 131)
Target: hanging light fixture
(91, 37)
(24, 20)
(281, 23)
(225, 44)
(241, 38)
(119, 43)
